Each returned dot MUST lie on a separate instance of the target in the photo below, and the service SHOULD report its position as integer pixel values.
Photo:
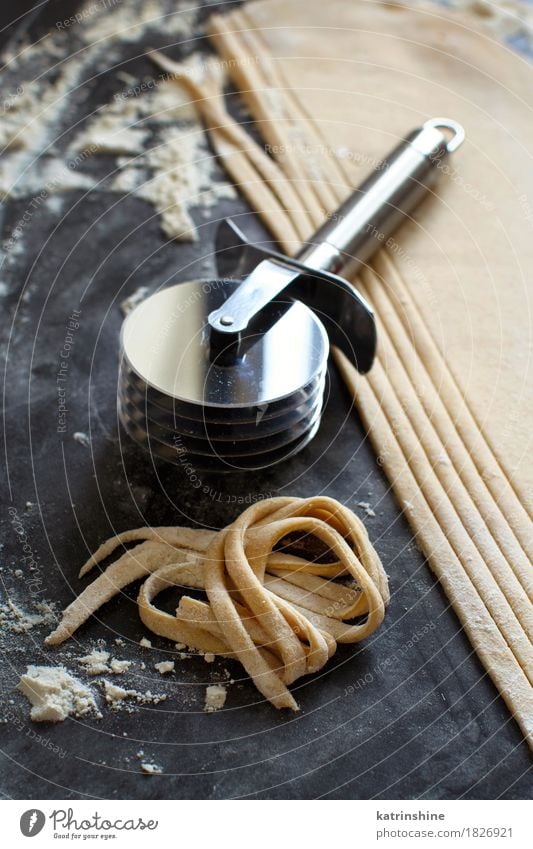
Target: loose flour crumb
(366, 507)
(114, 693)
(55, 694)
(18, 621)
(164, 667)
(209, 657)
(151, 768)
(215, 697)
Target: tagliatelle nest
(280, 614)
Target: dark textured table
(408, 714)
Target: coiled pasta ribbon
(280, 614)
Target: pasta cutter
(229, 374)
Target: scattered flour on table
(99, 662)
(124, 125)
(108, 132)
(55, 694)
(182, 170)
(44, 84)
(215, 697)
(40, 80)
(178, 19)
(150, 125)
(118, 667)
(55, 204)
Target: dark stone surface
(408, 714)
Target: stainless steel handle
(371, 214)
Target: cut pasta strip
(471, 510)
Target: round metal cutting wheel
(184, 403)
